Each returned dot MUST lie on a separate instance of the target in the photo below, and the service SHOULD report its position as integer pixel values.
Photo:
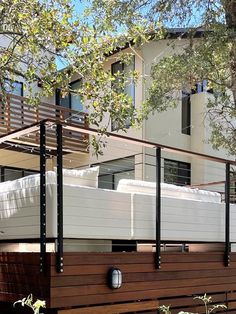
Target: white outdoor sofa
(127, 213)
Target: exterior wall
(165, 128)
(204, 171)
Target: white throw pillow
(84, 177)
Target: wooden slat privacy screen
(15, 112)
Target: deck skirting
(83, 283)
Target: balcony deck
(76, 282)
(15, 113)
(83, 282)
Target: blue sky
(80, 5)
(79, 8)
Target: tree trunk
(230, 17)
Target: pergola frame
(41, 128)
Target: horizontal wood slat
(114, 308)
(138, 258)
(142, 268)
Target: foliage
(206, 301)
(37, 35)
(35, 306)
(206, 51)
(203, 49)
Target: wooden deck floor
(82, 287)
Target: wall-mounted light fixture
(114, 277)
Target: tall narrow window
(15, 88)
(177, 172)
(186, 113)
(130, 86)
(71, 101)
(232, 187)
(129, 89)
(76, 103)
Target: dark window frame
(113, 126)
(113, 175)
(22, 170)
(201, 87)
(115, 172)
(21, 95)
(179, 167)
(18, 82)
(58, 96)
(233, 187)
(117, 62)
(186, 113)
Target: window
(232, 187)
(12, 173)
(177, 172)
(15, 88)
(112, 171)
(75, 100)
(202, 87)
(186, 113)
(71, 101)
(129, 88)
(186, 105)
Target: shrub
(206, 301)
(35, 306)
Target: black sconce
(114, 278)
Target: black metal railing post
(59, 258)
(158, 209)
(42, 197)
(227, 215)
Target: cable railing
(138, 210)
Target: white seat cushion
(167, 190)
(83, 177)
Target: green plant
(35, 306)
(207, 303)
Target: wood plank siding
(82, 287)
